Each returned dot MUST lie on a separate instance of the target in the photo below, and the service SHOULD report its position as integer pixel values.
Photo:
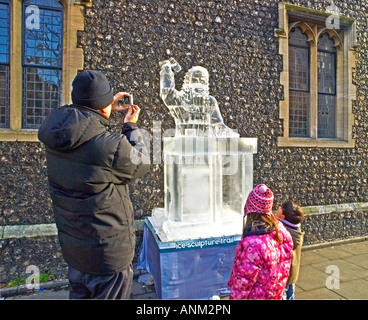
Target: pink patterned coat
(261, 266)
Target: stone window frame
(313, 24)
(73, 60)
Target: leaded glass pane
(326, 88)
(298, 61)
(326, 65)
(326, 116)
(299, 68)
(298, 38)
(4, 96)
(325, 43)
(42, 90)
(298, 114)
(4, 63)
(326, 73)
(44, 3)
(42, 62)
(298, 84)
(44, 46)
(4, 33)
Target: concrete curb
(23, 289)
(334, 243)
(42, 230)
(49, 285)
(335, 208)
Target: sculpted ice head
(197, 81)
(197, 74)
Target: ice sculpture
(208, 169)
(195, 111)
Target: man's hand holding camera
(123, 102)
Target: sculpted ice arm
(168, 93)
(217, 122)
(172, 98)
(167, 80)
(216, 116)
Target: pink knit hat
(260, 200)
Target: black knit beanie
(92, 89)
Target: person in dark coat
(89, 170)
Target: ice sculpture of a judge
(195, 111)
(208, 168)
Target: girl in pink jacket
(263, 256)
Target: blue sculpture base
(188, 269)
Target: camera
(126, 101)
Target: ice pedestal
(206, 183)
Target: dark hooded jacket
(89, 170)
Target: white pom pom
(263, 188)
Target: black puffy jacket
(89, 170)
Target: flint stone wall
(16, 254)
(235, 41)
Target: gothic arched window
(299, 74)
(317, 77)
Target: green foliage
(18, 281)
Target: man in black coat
(89, 169)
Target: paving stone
(310, 257)
(348, 271)
(311, 278)
(317, 294)
(334, 252)
(352, 290)
(360, 260)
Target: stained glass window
(298, 84)
(326, 87)
(4, 63)
(42, 59)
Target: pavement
(337, 272)
(334, 271)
